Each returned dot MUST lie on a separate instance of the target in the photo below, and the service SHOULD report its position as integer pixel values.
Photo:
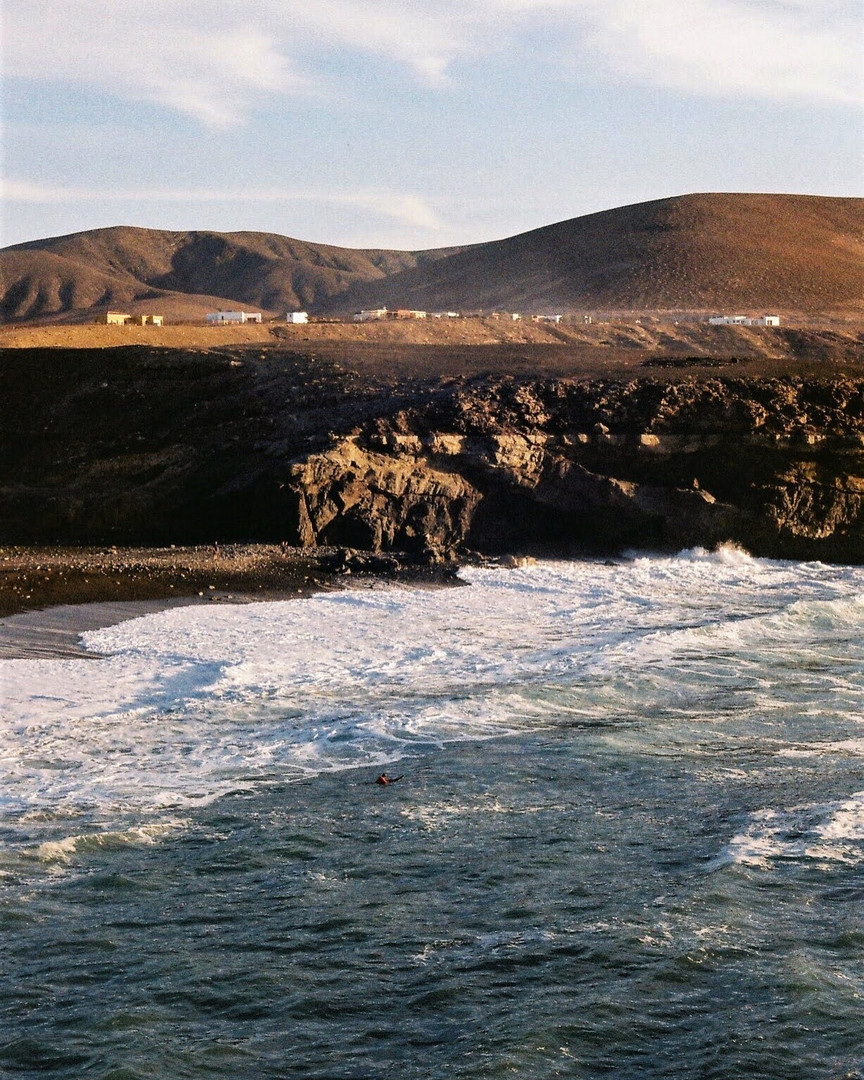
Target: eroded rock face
(353, 496)
(812, 502)
(776, 467)
(163, 447)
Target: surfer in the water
(385, 779)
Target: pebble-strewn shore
(38, 577)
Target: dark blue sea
(628, 840)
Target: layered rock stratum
(141, 445)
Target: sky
(416, 124)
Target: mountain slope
(695, 252)
(73, 274)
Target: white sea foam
(823, 833)
(436, 815)
(841, 747)
(194, 702)
(64, 850)
(846, 821)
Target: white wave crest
(822, 833)
(726, 554)
(194, 702)
(59, 854)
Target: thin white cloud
(424, 37)
(173, 54)
(213, 78)
(409, 209)
(23, 191)
(732, 48)
(403, 207)
(213, 61)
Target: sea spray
(628, 836)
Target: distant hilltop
(711, 253)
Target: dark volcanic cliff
(144, 445)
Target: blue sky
(394, 123)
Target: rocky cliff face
(142, 446)
(776, 466)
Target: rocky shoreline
(540, 466)
(256, 472)
(35, 578)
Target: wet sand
(50, 596)
(57, 631)
(32, 578)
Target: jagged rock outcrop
(777, 466)
(418, 496)
(357, 498)
(144, 446)
(811, 502)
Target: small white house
(297, 317)
(744, 320)
(234, 317)
(371, 313)
(548, 318)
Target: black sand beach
(50, 596)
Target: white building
(234, 317)
(744, 320)
(371, 313)
(548, 318)
(297, 317)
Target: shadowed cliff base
(159, 447)
(37, 577)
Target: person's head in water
(385, 779)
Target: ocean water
(628, 840)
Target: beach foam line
(56, 631)
(65, 850)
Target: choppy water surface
(629, 840)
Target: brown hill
(184, 273)
(44, 286)
(693, 253)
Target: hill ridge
(691, 252)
